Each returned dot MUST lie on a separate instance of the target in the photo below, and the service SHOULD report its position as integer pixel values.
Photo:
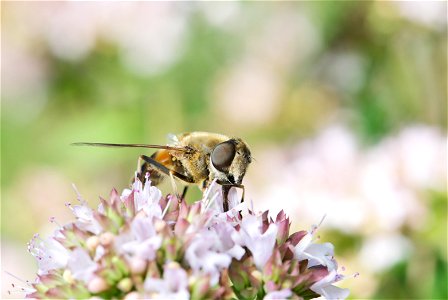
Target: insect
(195, 158)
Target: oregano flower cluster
(141, 244)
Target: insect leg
(225, 199)
(160, 167)
(165, 170)
(184, 192)
(225, 191)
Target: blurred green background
(325, 94)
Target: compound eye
(222, 156)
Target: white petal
(251, 225)
(283, 294)
(82, 212)
(81, 265)
(52, 256)
(153, 284)
(302, 246)
(125, 194)
(176, 279)
(153, 210)
(236, 252)
(92, 226)
(321, 254)
(333, 292)
(262, 248)
(260, 245)
(142, 228)
(99, 253)
(327, 280)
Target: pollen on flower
(141, 244)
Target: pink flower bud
(132, 296)
(137, 265)
(106, 238)
(92, 242)
(97, 285)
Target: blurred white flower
(247, 87)
(150, 35)
(383, 251)
(297, 44)
(421, 151)
(378, 188)
(70, 30)
(429, 13)
(21, 68)
(221, 14)
(374, 191)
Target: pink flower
(146, 197)
(260, 244)
(316, 254)
(173, 285)
(204, 255)
(325, 288)
(145, 240)
(140, 245)
(81, 265)
(50, 254)
(85, 218)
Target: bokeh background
(343, 105)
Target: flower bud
(257, 275)
(68, 277)
(159, 225)
(97, 285)
(172, 265)
(137, 265)
(125, 285)
(120, 265)
(106, 238)
(92, 242)
(132, 296)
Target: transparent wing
(174, 148)
(172, 139)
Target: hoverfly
(196, 158)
